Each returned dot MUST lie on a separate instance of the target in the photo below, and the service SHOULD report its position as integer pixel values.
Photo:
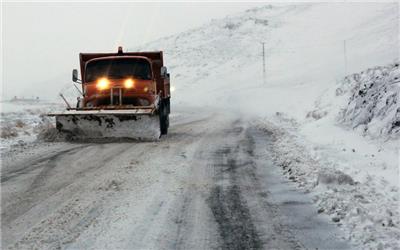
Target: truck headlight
(128, 83)
(102, 83)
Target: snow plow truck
(124, 95)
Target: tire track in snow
(204, 187)
(47, 185)
(235, 224)
(239, 203)
(277, 234)
(37, 163)
(29, 198)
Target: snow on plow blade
(141, 124)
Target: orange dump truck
(124, 95)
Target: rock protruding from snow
(374, 104)
(334, 177)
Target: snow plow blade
(139, 124)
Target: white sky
(41, 41)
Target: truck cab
(123, 79)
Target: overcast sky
(41, 41)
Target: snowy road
(210, 184)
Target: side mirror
(163, 71)
(75, 75)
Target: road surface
(210, 184)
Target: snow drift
(22, 121)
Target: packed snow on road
(303, 157)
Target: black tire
(164, 125)
(59, 126)
(164, 119)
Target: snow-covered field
(331, 99)
(22, 121)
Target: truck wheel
(164, 125)
(164, 120)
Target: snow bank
(365, 207)
(374, 104)
(354, 176)
(21, 122)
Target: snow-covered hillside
(374, 103)
(220, 63)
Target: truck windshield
(118, 68)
